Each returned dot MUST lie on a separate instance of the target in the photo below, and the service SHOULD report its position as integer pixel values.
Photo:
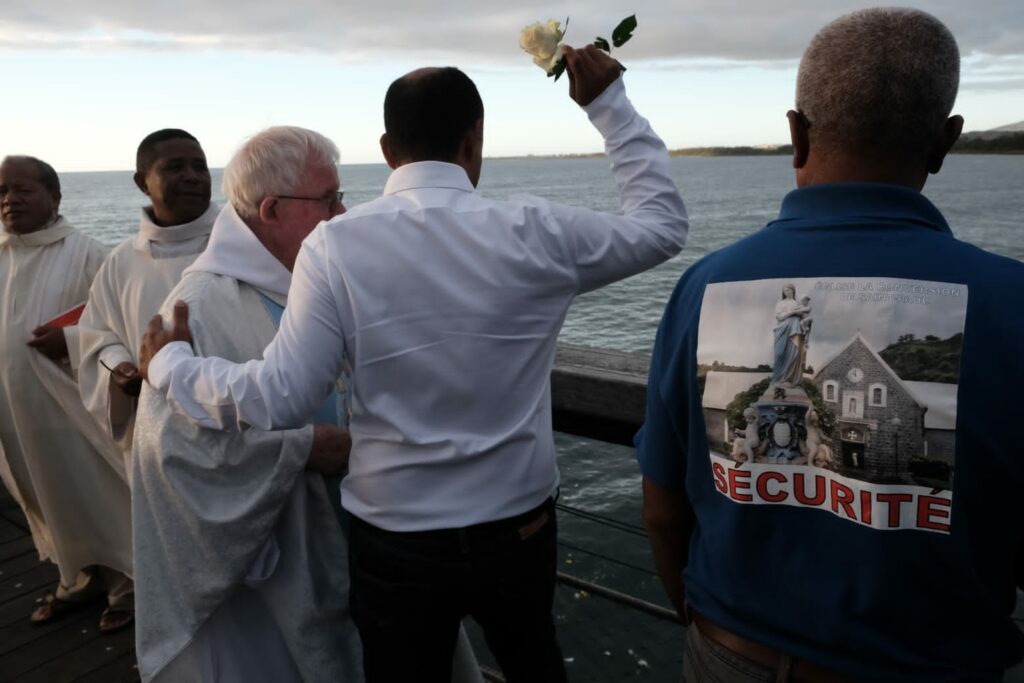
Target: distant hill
(1007, 139)
(1012, 128)
(988, 142)
(745, 151)
(925, 360)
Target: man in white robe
(171, 170)
(241, 562)
(66, 474)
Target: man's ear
(950, 134)
(798, 135)
(389, 154)
(268, 209)
(472, 145)
(140, 182)
(474, 139)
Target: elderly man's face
(318, 188)
(26, 205)
(178, 182)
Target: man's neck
(48, 224)
(170, 223)
(837, 168)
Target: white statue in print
(791, 333)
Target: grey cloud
(993, 85)
(725, 29)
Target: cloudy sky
(85, 81)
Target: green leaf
(557, 72)
(602, 43)
(624, 31)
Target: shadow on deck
(601, 640)
(67, 649)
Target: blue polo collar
(833, 203)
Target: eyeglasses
(333, 200)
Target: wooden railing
(599, 394)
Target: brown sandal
(116, 618)
(52, 608)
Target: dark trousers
(410, 591)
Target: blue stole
(334, 410)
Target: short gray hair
(879, 82)
(272, 162)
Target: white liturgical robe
(64, 471)
(127, 292)
(241, 564)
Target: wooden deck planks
(62, 651)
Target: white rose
(541, 41)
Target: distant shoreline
(742, 152)
(970, 143)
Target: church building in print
(883, 422)
(880, 421)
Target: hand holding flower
(590, 73)
(541, 41)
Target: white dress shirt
(448, 307)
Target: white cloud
(723, 29)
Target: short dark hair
(47, 176)
(427, 115)
(145, 157)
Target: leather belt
(788, 667)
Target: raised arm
(283, 390)
(608, 247)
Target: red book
(67, 318)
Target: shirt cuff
(611, 110)
(163, 363)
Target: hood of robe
(151, 232)
(54, 232)
(234, 251)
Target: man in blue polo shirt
(800, 493)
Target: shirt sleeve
(283, 390)
(653, 228)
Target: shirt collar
(428, 174)
(831, 203)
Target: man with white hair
(885, 570)
(240, 559)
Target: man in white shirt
(171, 171)
(66, 474)
(447, 306)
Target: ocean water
(727, 198)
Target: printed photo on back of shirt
(838, 394)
